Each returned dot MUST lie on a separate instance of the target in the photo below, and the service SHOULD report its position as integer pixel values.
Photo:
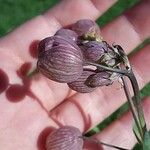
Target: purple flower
(99, 79)
(60, 59)
(64, 57)
(80, 85)
(87, 29)
(93, 50)
(65, 138)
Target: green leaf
(146, 142)
(138, 147)
(137, 132)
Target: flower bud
(87, 29)
(60, 61)
(109, 57)
(93, 50)
(65, 138)
(49, 42)
(80, 85)
(67, 33)
(99, 79)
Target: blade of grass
(116, 10)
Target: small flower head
(99, 79)
(60, 61)
(65, 138)
(80, 85)
(87, 29)
(93, 50)
(110, 57)
(64, 57)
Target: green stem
(137, 102)
(30, 74)
(136, 99)
(133, 109)
(123, 72)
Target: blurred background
(14, 12)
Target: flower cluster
(64, 57)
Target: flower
(87, 30)
(60, 59)
(65, 138)
(99, 79)
(93, 50)
(65, 57)
(80, 85)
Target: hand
(30, 108)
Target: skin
(25, 121)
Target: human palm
(31, 107)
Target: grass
(15, 12)
(117, 9)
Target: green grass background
(15, 12)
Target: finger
(130, 29)
(69, 11)
(24, 125)
(125, 137)
(17, 47)
(87, 110)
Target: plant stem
(30, 74)
(123, 72)
(133, 109)
(137, 101)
